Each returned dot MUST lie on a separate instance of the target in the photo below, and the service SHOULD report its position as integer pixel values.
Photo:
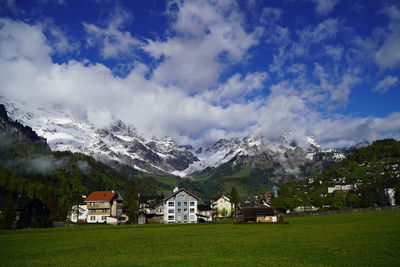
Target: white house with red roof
(104, 207)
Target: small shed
(142, 219)
(258, 214)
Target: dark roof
(253, 212)
(149, 199)
(203, 207)
(167, 194)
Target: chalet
(258, 214)
(178, 206)
(29, 212)
(222, 206)
(104, 207)
(204, 213)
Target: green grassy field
(359, 239)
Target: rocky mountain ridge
(121, 142)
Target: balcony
(98, 205)
(99, 212)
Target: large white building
(178, 206)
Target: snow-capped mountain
(120, 142)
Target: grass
(359, 239)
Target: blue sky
(204, 70)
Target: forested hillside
(29, 168)
(369, 174)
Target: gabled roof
(101, 196)
(255, 211)
(168, 195)
(222, 196)
(180, 190)
(204, 207)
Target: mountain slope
(120, 142)
(59, 179)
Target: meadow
(358, 239)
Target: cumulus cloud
(112, 40)
(186, 92)
(324, 7)
(384, 85)
(209, 35)
(388, 54)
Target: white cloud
(324, 7)
(388, 54)
(209, 36)
(270, 15)
(112, 40)
(184, 97)
(236, 88)
(384, 85)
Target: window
(182, 196)
(192, 210)
(170, 211)
(192, 203)
(171, 204)
(104, 218)
(189, 197)
(171, 217)
(92, 218)
(185, 217)
(179, 204)
(192, 217)
(185, 204)
(179, 210)
(185, 210)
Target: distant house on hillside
(148, 203)
(178, 206)
(258, 214)
(104, 207)
(222, 206)
(30, 212)
(346, 188)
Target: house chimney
(175, 189)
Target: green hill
(369, 172)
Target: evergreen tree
(234, 198)
(7, 218)
(131, 202)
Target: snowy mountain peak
(121, 142)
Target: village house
(347, 187)
(258, 214)
(104, 207)
(79, 213)
(178, 206)
(204, 213)
(148, 203)
(221, 206)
